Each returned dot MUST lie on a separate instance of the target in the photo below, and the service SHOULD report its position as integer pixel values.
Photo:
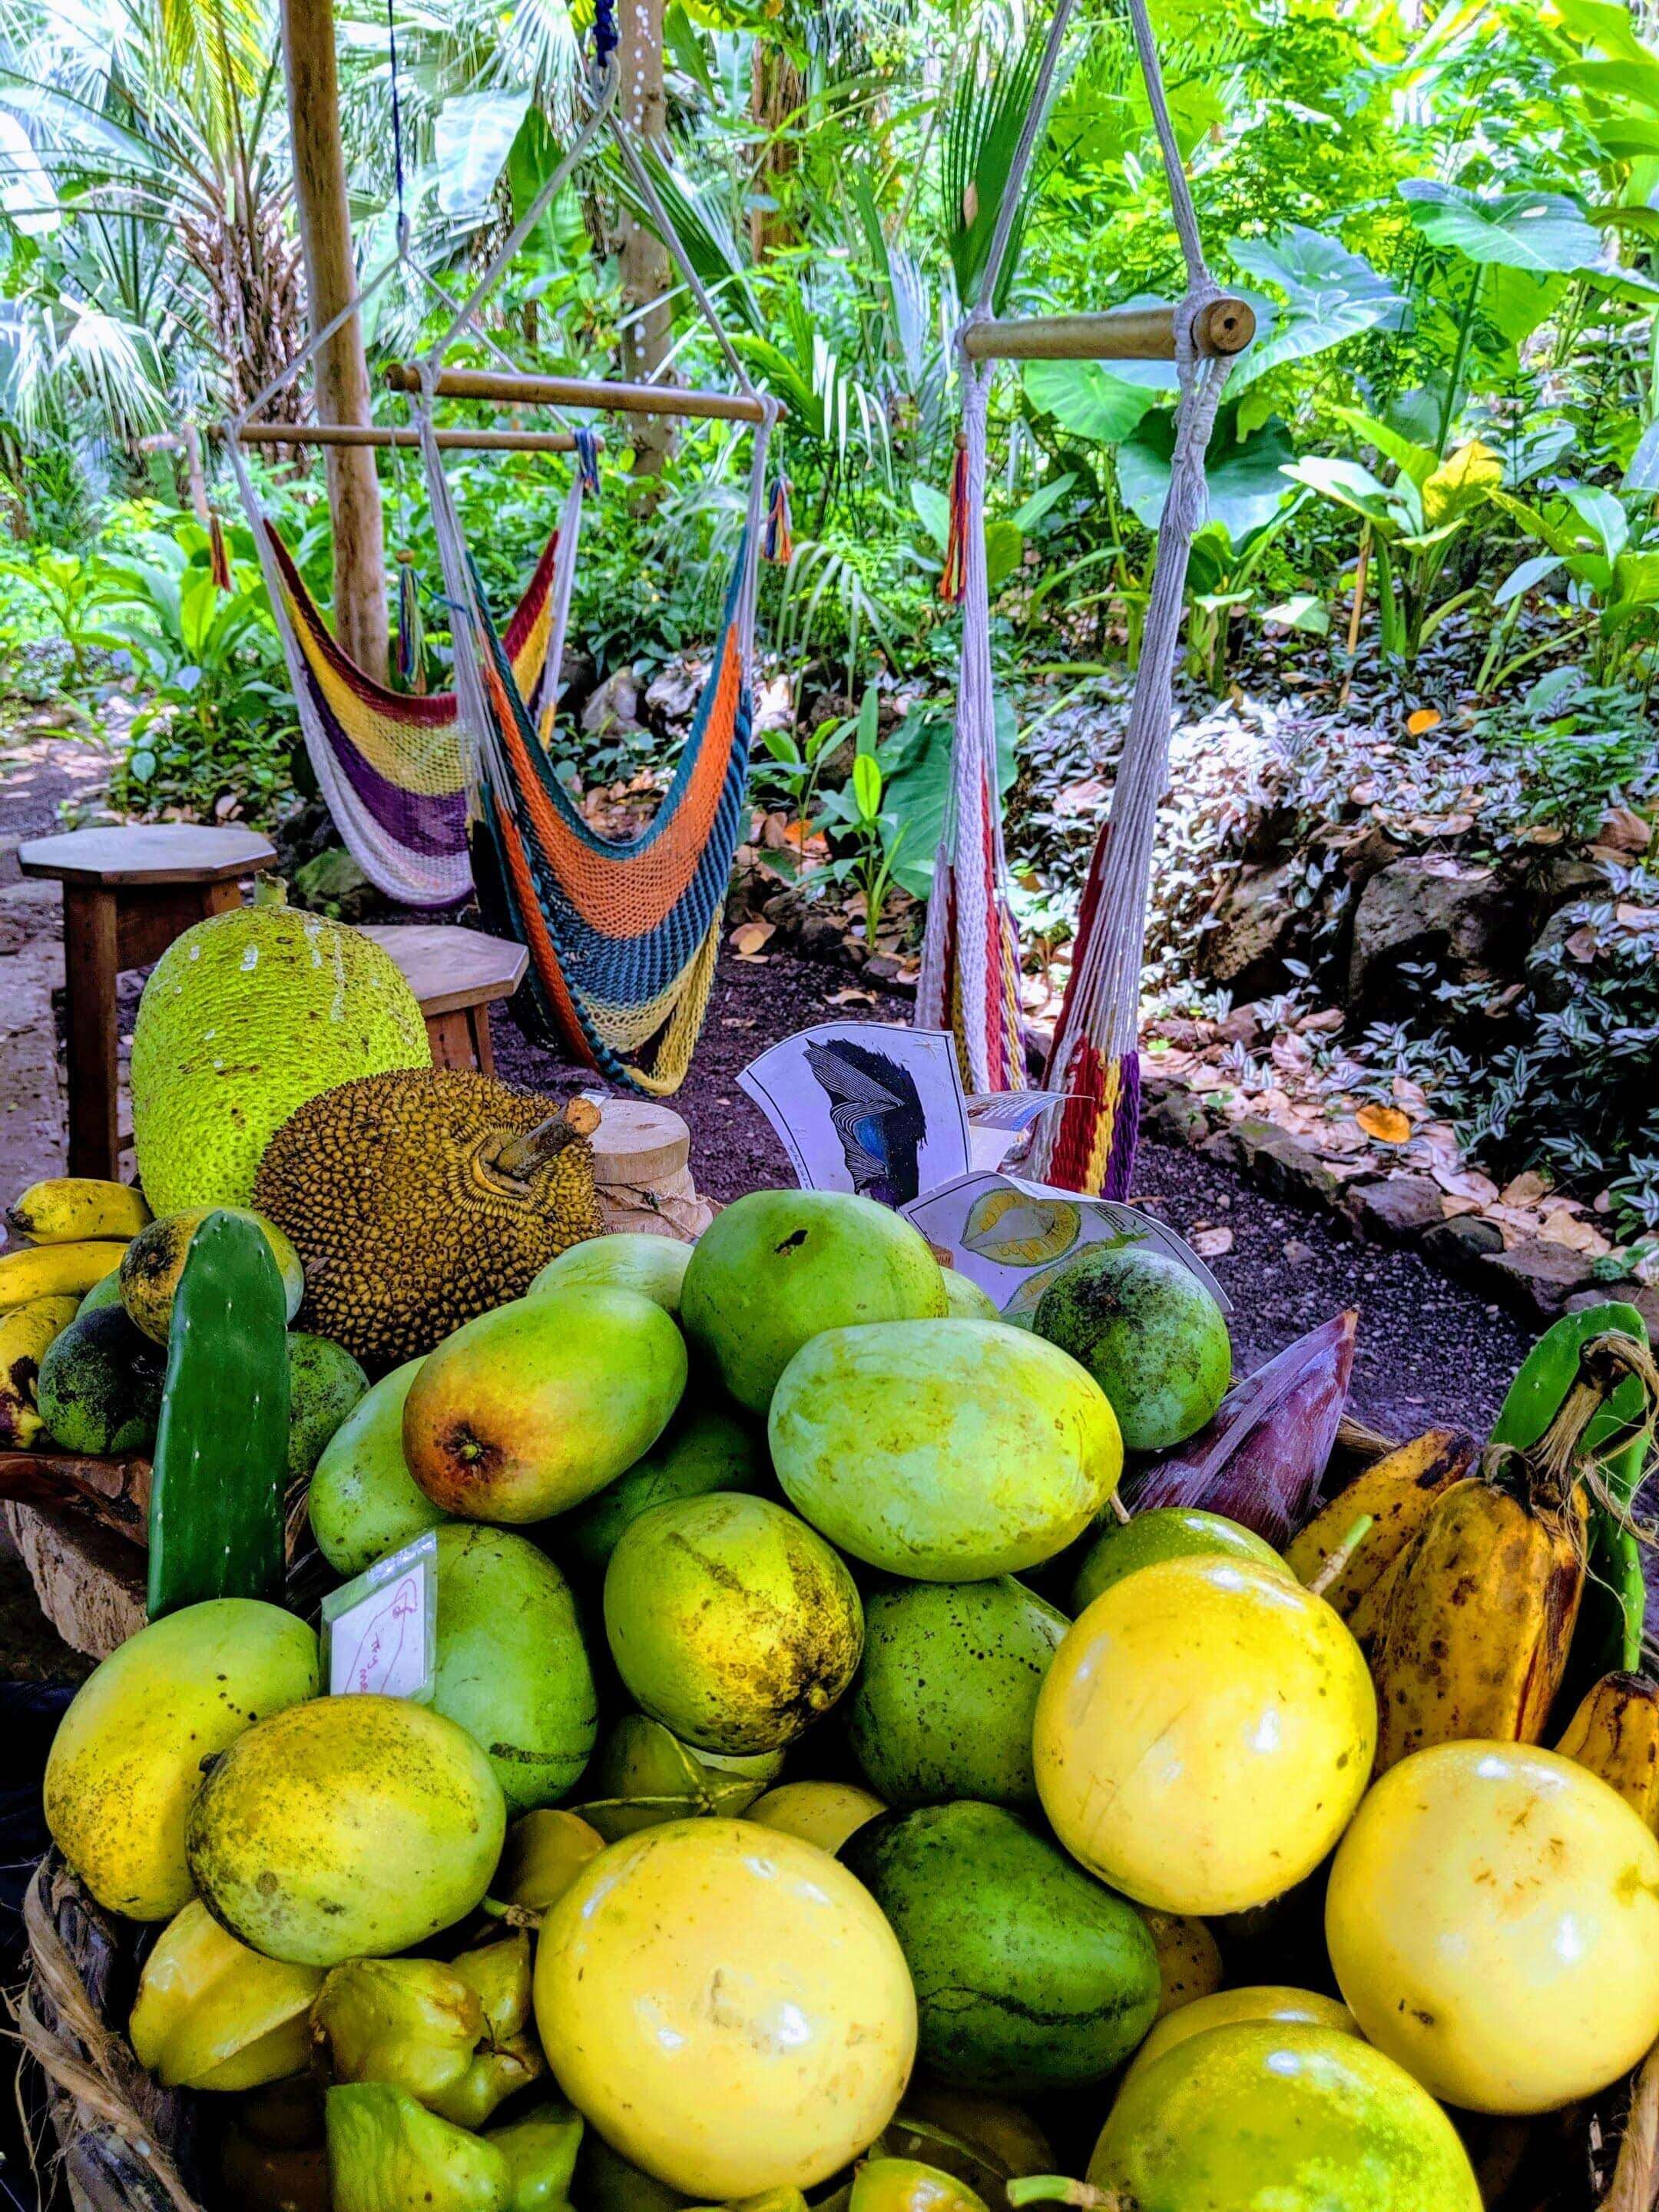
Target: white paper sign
(382, 1627)
(862, 1107)
(1012, 1238)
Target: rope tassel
(779, 542)
(219, 555)
(587, 458)
(954, 581)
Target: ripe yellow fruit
(68, 1209)
(1203, 1735)
(1264, 2002)
(55, 1271)
(1493, 1920)
(727, 2006)
(1188, 1959)
(821, 1813)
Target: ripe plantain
(1473, 1639)
(24, 1336)
(54, 1271)
(1397, 1491)
(1615, 1733)
(69, 1209)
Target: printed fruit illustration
(212, 2014)
(363, 1501)
(244, 1018)
(730, 1621)
(1167, 1532)
(1205, 1732)
(778, 1268)
(1493, 1920)
(153, 1263)
(1283, 2117)
(512, 1668)
(350, 1828)
(420, 1198)
(528, 1410)
(655, 1266)
(126, 1762)
(947, 1690)
(1029, 1975)
(704, 1447)
(943, 1452)
(797, 2067)
(1149, 1332)
(821, 1813)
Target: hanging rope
(1088, 1143)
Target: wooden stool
(128, 892)
(457, 975)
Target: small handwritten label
(382, 1627)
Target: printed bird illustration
(877, 1115)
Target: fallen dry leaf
(1387, 1124)
(1407, 1093)
(1423, 718)
(1582, 944)
(750, 936)
(1211, 1243)
(1562, 1228)
(1625, 830)
(1525, 1189)
(1465, 1183)
(852, 998)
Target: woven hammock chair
(970, 971)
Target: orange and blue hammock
(622, 933)
(392, 765)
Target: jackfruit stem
(520, 1157)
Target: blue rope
(396, 115)
(587, 456)
(606, 37)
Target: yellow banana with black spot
(1615, 1733)
(24, 1336)
(55, 1271)
(1396, 1492)
(71, 1209)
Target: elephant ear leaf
(1545, 232)
(1464, 480)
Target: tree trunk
(645, 264)
(776, 89)
(341, 370)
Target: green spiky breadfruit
(245, 1017)
(420, 1198)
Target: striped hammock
(392, 766)
(622, 933)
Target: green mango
(1150, 1333)
(946, 1451)
(388, 2154)
(965, 1299)
(1167, 1532)
(643, 1775)
(778, 1268)
(364, 1501)
(628, 1260)
(1029, 1975)
(99, 1385)
(606, 2182)
(512, 1666)
(324, 1384)
(730, 1621)
(705, 1448)
(947, 1694)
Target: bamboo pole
(199, 498)
(579, 392)
(449, 441)
(1226, 326)
(342, 370)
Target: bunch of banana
(1615, 1733)
(1474, 1631)
(74, 1231)
(1395, 1493)
(25, 1333)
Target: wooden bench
(128, 892)
(457, 975)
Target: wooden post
(341, 369)
(645, 264)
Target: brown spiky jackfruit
(420, 1198)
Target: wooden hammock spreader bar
(1226, 326)
(449, 441)
(580, 392)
